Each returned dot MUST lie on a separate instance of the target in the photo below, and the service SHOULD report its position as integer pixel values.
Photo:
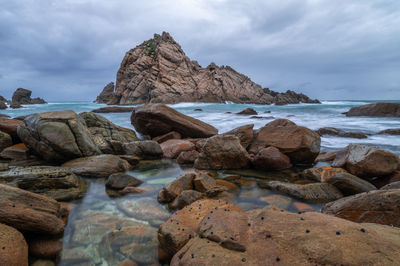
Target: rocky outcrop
(340, 133)
(14, 250)
(108, 137)
(23, 96)
(158, 119)
(107, 94)
(158, 71)
(222, 152)
(271, 237)
(376, 110)
(54, 182)
(300, 144)
(366, 161)
(119, 181)
(57, 136)
(378, 206)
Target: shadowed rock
(14, 250)
(107, 94)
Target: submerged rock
(321, 174)
(376, 110)
(173, 147)
(14, 250)
(145, 209)
(248, 111)
(15, 152)
(146, 149)
(340, 133)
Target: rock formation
(158, 71)
(376, 109)
(107, 94)
(23, 96)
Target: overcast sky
(69, 49)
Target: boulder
(349, 184)
(45, 248)
(15, 105)
(173, 189)
(222, 152)
(14, 250)
(391, 131)
(15, 152)
(187, 157)
(57, 136)
(366, 161)
(378, 206)
(376, 110)
(107, 136)
(121, 180)
(168, 136)
(5, 141)
(29, 212)
(99, 166)
(146, 149)
(394, 185)
(301, 144)
(248, 111)
(271, 159)
(23, 96)
(10, 127)
(113, 109)
(159, 119)
(185, 198)
(315, 192)
(107, 94)
(321, 174)
(173, 147)
(244, 133)
(54, 182)
(271, 237)
(340, 133)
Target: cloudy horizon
(330, 50)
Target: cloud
(326, 49)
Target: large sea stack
(158, 71)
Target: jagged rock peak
(158, 71)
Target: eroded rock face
(107, 94)
(158, 71)
(14, 250)
(57, 136)
(158, 119)
(301, 144)
(376, 109)
(5, 140)
(107, 136)
(23, 96)
(222, 152)
(366, 161)
(378, 206)
(272, 237)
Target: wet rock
(315, 192)
(173, 147)
(366, 161)
(144, 209)
(57, 136)
(271, 159)
(44, 248)
(183, 225)
(131, 159)
(349, 184)
(321, 174)
(272, 237)
(122, 180)
(173, 189)
(10, 127)
(277, 200)
(247, 111)
(391, 131)
(198, 110)
(203, 182)
(14, 250)
(30, 212)
(147, 149)
(168, 136)
(185, 198)
(340, 133)
(325, 157)
(187, 157)
(107, 94)
(107, 136)
(5, 141)
(222, 152)
(244, 133)
(54, 182)
(159, 119)
(301, 144)
(15, 152)
(376, 110)
(378, 206)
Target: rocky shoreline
(48, 161)
(19, 97)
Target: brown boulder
(244, 133)
(45, 248)
(321, 174)
(301, 144)
(376, 110)
(168, 136)
(390, 131)
(10, 127)
(366, 161)
(173, 147)
(222, 152)
(340, 133)
(187, 157)
(349, 184)
(159, 119)
(113, 109)
(378, 206)
(14, 250)
(394, 185)
(271, 159)
(173, 189)
(145, 149)
(15, 152)
(23, 96)
(98, 166)
(248, 111)
(122, 180)
(3, 105)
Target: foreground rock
(107, 94)
(158, 71)
(271, 159)
(376, 110)
(114, 109)
(222, 152)
(23, 96)
(29, 212)
(100, 166)
(57, 136)
(272, 237)
(301, 144)
(108, 137)
(366, 161)
(379, 206)
(54, 182)
(159, 119)
(10, 126)
(340, 133)
(14, 250)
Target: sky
(68, 50)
